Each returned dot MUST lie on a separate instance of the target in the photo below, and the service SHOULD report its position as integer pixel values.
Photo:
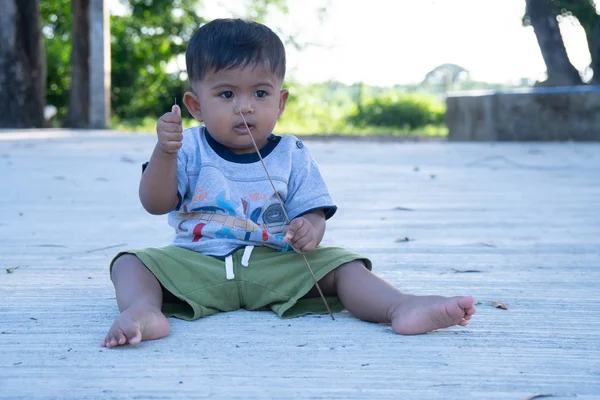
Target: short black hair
(233, 43)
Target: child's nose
(243, 107)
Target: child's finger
(289, 236)
(171, 117)
(175, 109)
(172, 137)
(304, 246)
(294, 226)
(301, 243)
(164, 126)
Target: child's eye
(227, 94)
(261, 93)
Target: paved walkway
(516, 223)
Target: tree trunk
(543, 19)
(594, 45)
(591, 26)
(79, 96)
(22, 65)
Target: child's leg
(370, 298)
(139, 297)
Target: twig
(287, 218)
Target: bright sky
(385, 42)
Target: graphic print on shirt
(222, 221)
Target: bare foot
(136, 324)
(422, 314)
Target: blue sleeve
(307, 190)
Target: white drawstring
(229, 267)
(245, 262)
(246, 256)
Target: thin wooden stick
(287, 218)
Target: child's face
(258, 95)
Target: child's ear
(283, 97)
(193, 105)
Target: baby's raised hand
(301, 235)
(169, 131)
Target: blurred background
(354, 66)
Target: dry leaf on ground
(479, 244)
(538, 396)
(465, 271)
(499, 304)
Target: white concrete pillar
(99, 64)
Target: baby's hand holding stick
(170, 131)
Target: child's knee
(352, 266)
(125, 262)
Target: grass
(295, 127)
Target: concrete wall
(544, 114)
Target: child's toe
(132, 335)
(135, 339)
(116, 337)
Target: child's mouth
(241, 128)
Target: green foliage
(584, 10)
(319, 107)
(331, 108)
(145, 45)
(400, 110)
(56, 21)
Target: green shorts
(196, 285)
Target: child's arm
(158, 186)
(306, 232)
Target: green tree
(145, 44)
(444, 78)
(56, 28)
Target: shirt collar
(246, 158)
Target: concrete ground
(517, 223)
